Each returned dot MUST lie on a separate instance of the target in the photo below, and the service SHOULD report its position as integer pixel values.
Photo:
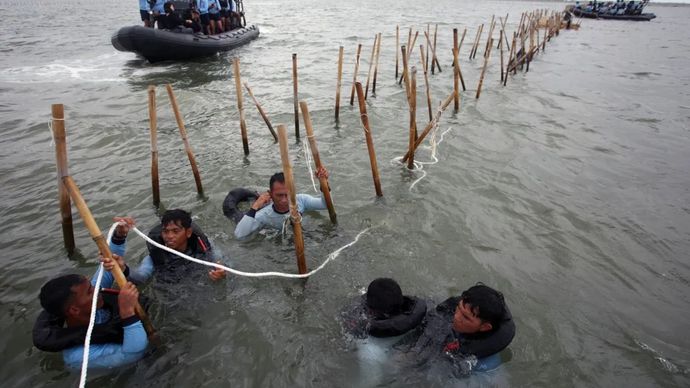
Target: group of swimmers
(620, 7)
(207, 16)
(475, 325)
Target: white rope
(92, 318)
(330, 257)
(309, 159)
(419, 165)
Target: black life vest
(50, 334)
(172, 268)
(480, 344)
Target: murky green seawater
(568, 190)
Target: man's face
(175, 236)
(466, 321)
(279, 195)
(80, 306)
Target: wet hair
(57, 293)
(277, 177)
(487, 303)
(167, 6)
(177, 217)
(384, 296)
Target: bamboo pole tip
(294, 55)
(58, 110)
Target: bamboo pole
(376, 65)
(183, 134)
(102, 244)
(408, 53)
(456, 76)
(433, 53)
(413, 117)
(295, 217)
(354, 78)
(397, 44)
(489, 38)
(473, 53)
(435, 59)
(153, 127)
(370, 142)
(426, 64)
(462, 79)
(295, 96)
(425, 61)
(371, 65)
(261, 111)
(486, 61)
(405, 74)
(58, 125)
(500, 44)
(323, 182)
(338, 83)
(430, 125)
(240, 105)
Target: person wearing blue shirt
(69, 299)
(214, 16)
(261, 215)
(202, 7)
(145, 12)
(176, 231)
(158, 11)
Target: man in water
(119, 337)
(263, 216)
(176, 231)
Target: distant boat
(159, 45)
(605, 15)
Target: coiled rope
(419, 165)
(94, 301)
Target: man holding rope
(263, 216)
(176, 231)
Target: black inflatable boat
(159, 45)
(605, 15)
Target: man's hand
(263, 200)
(109, 263)
(217, 274)
(321, 172)
(127, 300)
(124, 225)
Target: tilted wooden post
(295, 217)
(434, 51)
(430, 125)
(397, 44)
(354, 77)
(58, 125)
(295, 96)
(103, 247)
(261, 111)
(500, 44)
(425, 61)
(153, 129)
(433, 54)
(240, 105)
(413, 116)
(323, 182)
(338, 83)
(376, 64)
(456, 76)
(183, 134)
(370, 142)
(371, 65)
(486, 61)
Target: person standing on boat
(214, 15)
(145, 12)
(202, 6)
(158, 10)
(272, 207)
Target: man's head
(481, 308)
(176, 229)
(279, 192)
(69, 297)
(168, 7)
(384, 297)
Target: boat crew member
(170, 20)
(118, 338)
(214, 16)
(158, 10)
(261, 215)
(145, 12)
(194, 23)
(225, 9)
(202, 6)
(176, 231)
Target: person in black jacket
(170, 20)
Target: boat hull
(594, 15)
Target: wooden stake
(413, 117)
(489, 38)
(370, 141)
(433, 53)
(397, 44)
(338, 84)
(183, 134)
(426, 64)
(295, 217)
(425, 60)
(486, 61)
(323, 182)
(430, 125)
(240, 105)
(408, 53)
(456, 75)
(376, 64)
(354, 78)
(295, 97)
(153, 126)
(58, 125)
(261, 111)
(103, 247)
(371, 65)
(500, 43)
(405, 74)
(435, 59)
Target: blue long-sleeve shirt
(103, 356)
(144, 5)
(212, 9)
(202, 5)
(159, 7)
(269, 217)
